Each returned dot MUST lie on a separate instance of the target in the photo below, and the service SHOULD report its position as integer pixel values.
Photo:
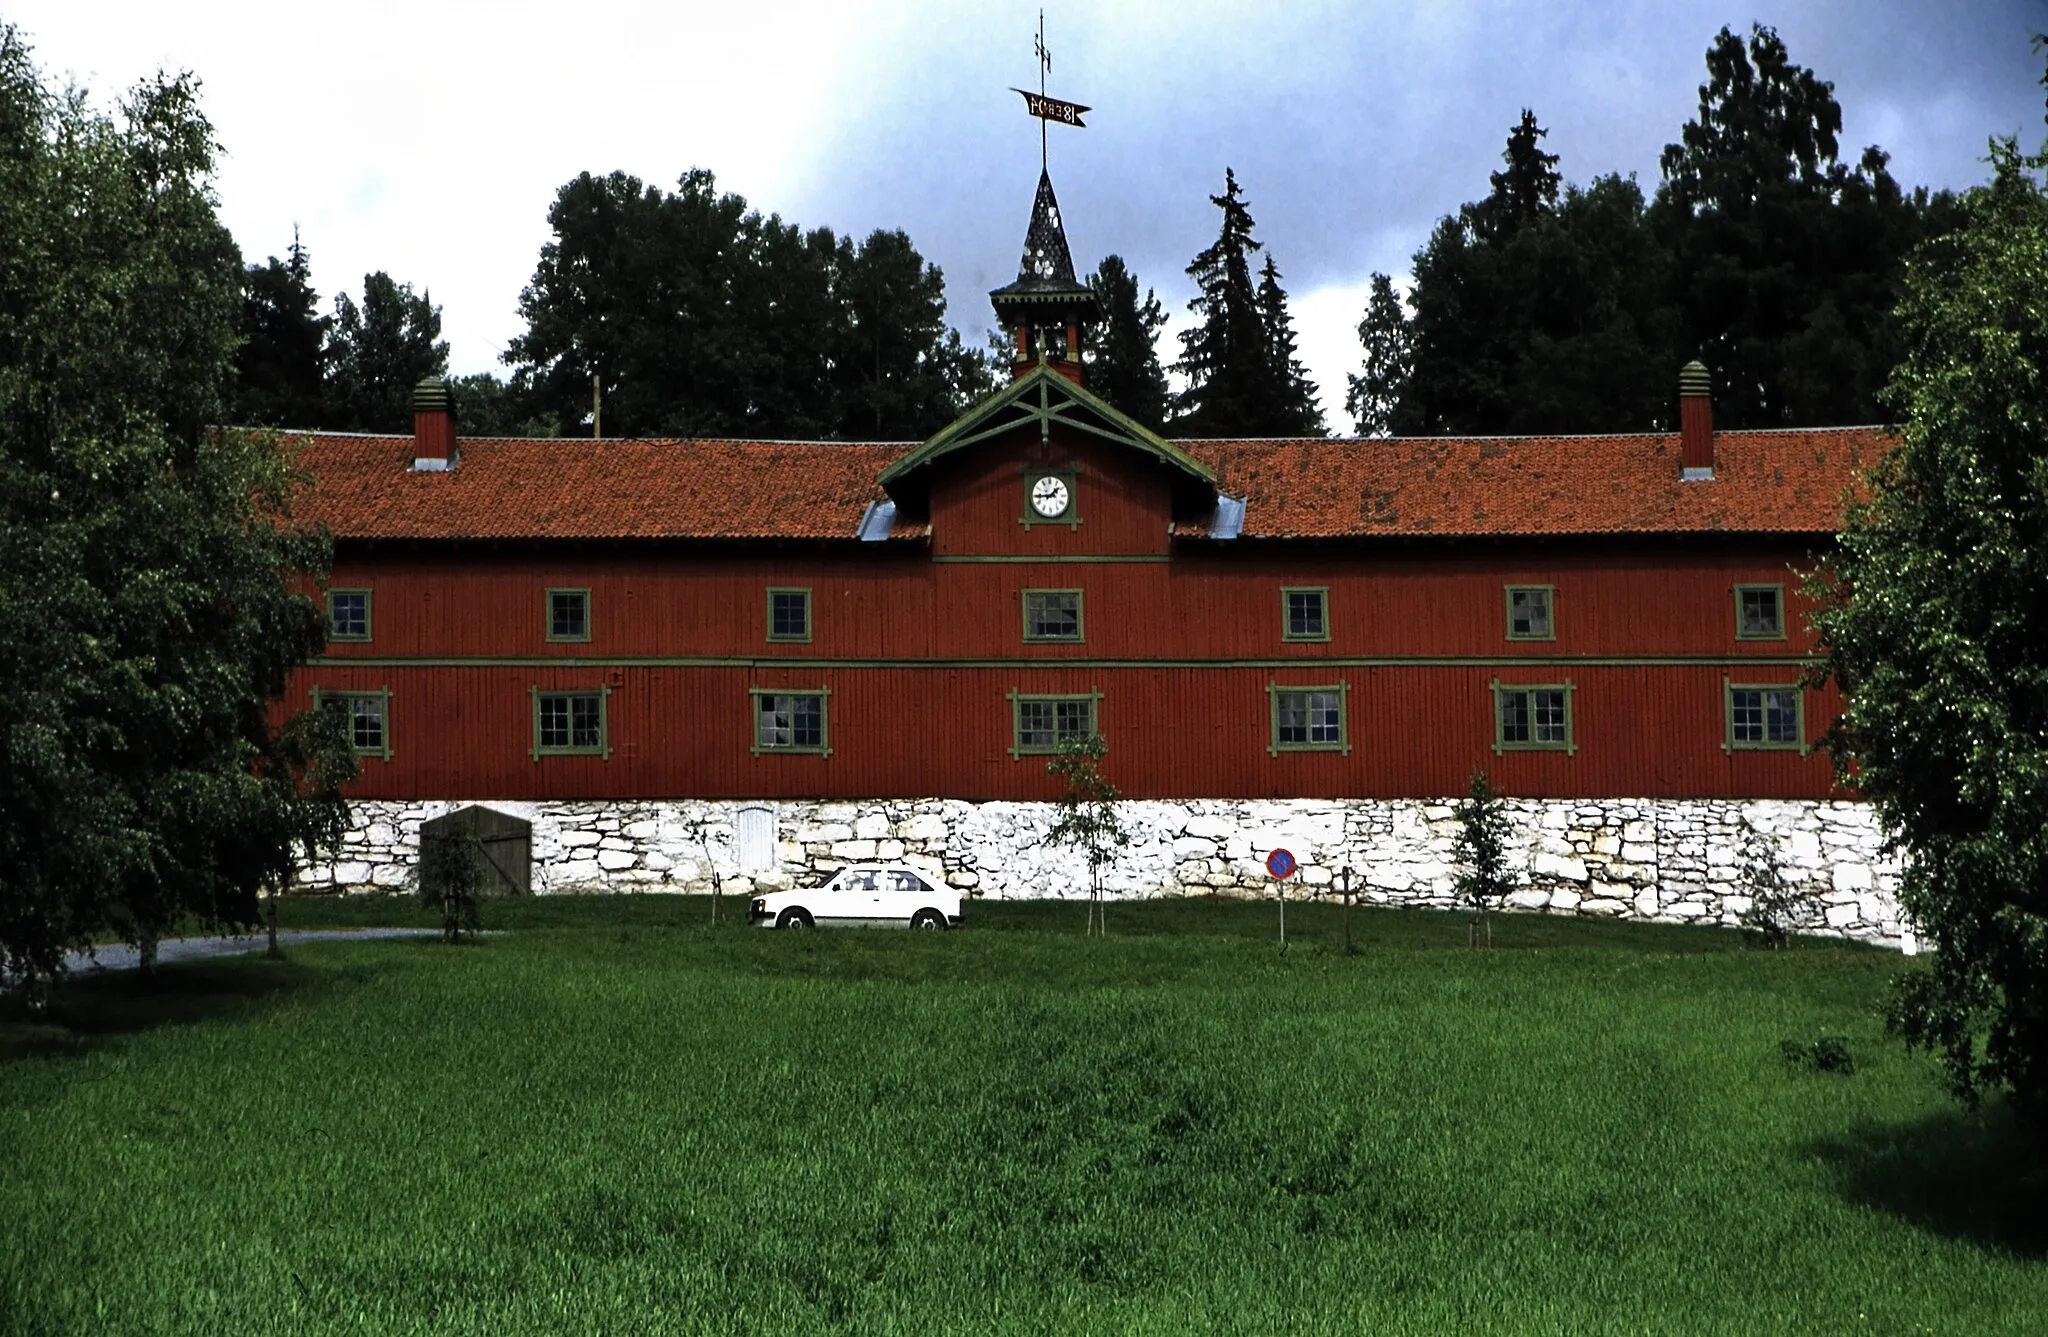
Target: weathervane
(1043, 107)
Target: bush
(1829, 1053)
(1772, 902)
(452, 882)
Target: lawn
(619, 1118)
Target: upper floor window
(1760, 612)
(1305, 614)
(1052, 615)
(1308, 719)
(1532, 718)
(348, 615)
(1529, 613)
(789, 614)
(568, 615)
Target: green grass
(619, 1119)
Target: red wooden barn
(607, 619)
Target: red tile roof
(1765, 482)
(365, 488)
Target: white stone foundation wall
(1662, 859)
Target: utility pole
(596, 406)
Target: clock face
(1049, 497)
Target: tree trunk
(145, 954)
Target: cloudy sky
(428, 138)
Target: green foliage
(1526, 192)
(452, 880)
(1088, 818)
(1238, 359)
(488, 406)
(1389, 361)
(703, 318)
(1772, 902)
(1935, 624)
(636, 1122)
(1123, 349)
(1829, 1053)
(280, 369)
(378, 352)
(144, 559)
(1486, 876)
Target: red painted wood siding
(919, 647)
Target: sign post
(1280, 863)
(1349, 949)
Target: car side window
(858, 882)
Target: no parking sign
(1280, 863)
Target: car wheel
(928, 920)
(793, 918)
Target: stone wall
(1658, 859)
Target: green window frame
(1534, 717)
(571, 722)
(1763, 717)
(369, 718)
(1070, 517)
(1532, 612)
(1046, 615)
(1304, 612)
(1041, 721)
(1308, 718)
(789, 613)
(343, 605)
(1760, 613)
(567, 614)
(791, 720)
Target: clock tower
(1047, 308)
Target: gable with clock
(1049, 498)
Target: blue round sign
(1280, 863)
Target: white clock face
(1049, 497)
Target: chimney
(433, 427)
(1695, 423)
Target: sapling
(1088, 817)
(1482, 848)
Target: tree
(147, 562)
(280, 369)
(488, 406)
(1785, 260)
(1524, 193)
(379, 351)
(701, 317)
(1935, 624)
(1389, 361)
(1224, 356)
(1292, 408)
(1482, 847)
(1124, 348)
(1088, 818)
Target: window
(1308, 719)
(1760, 612)
(570, 723)
(1532, 718)
(1304, 614)
(348, 615)
(1040, 724)
(1052, 615)
(568, 615)
(1765, 716)
(1529, 613)
(369, 719)
(789, 614)
(786, 721)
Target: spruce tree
(1123, 349)
(1389, 359)
(1291, 408)
(1224, 356)
(1526, 191)
(281, 366)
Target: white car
(882, 895)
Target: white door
(754, 838)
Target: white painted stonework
(1663, 859)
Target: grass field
(616, 1118)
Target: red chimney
(1695, 422)
(433, 427)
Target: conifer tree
(1389, 359)
(281, 366)
(378, 352)
(1224, 356)
(1526, 191)
(1124, 349)
(1290, 408)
